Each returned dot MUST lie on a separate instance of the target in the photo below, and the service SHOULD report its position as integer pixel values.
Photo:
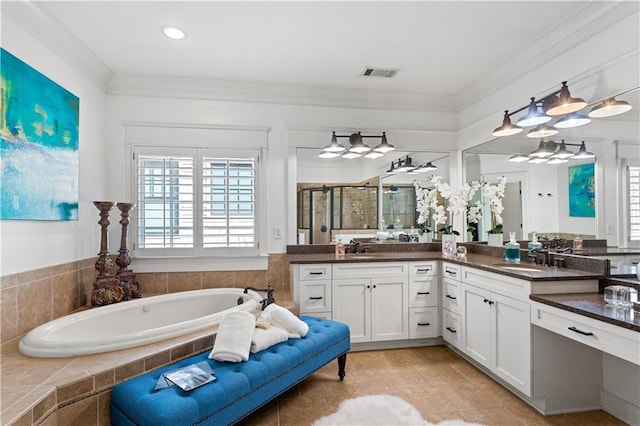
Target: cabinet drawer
(451, 270)
(370, 269)
(609, 338)
(315, 296)
(421, 269)
(423, 323)
(321, 315)
(451, 328)
(423, 291)
(321, 271)
(451, 295)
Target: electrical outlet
(609, 228)
(277, 232)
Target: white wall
(28, 245)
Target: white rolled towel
(233, 340)
(264, 338)
(283, 318)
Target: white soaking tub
(135, 322)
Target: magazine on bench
(188, 377)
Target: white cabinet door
(389, 308)
(352, 306)
(477, 340)
(512, 336)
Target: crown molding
(242, 91)
(48, 31)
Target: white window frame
(626, 208)
(198, 251)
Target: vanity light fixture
(542, 131)
(572, 120)
(537, 160)
(507, 128)
(562, 153)
(424, 168)
(357, 147)
(173, 33)
(406, 165)
(545, 149)
(583, 153)
(565, 104)
(609, 108)
(557, 161)
(519, 158)
(533, 116)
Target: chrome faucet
(545, 260)
(356, 246)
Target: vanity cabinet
(423, 300)
(497, 330)
(372, 299)
(451, 327)
(314, 289)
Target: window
(195, 202)
(633, 192)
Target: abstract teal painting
(582, 193)
(39, 145)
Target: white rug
(385, 410)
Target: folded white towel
(264, 338)
(233, 340)
(281, 317)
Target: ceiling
(440, 47)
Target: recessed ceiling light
(173, 33)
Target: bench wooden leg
(342, 360)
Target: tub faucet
(268, 300)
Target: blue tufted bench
(239, 389)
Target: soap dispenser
(534, 244)
(512, 249)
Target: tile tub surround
(35, 297)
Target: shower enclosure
(324, 211)
(327, 210)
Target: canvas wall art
(39, 145)
(582, 191)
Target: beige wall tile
(64, 268)
(184, 281)
(25, 420)
(34, 275)
(129, 370)
(203, 344)
(221, 279)
(44, 406)
(34, 304)
(81, 413)
(106, 379)
(65, 293)
(154, 283)
(104, 403)
(75, 389)
(154, 361)
(8, 281)
(86, 277)
(52, 420)
(181, 351)
(251, 278)
(9, 309)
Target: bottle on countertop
(534, 244)
(512, 249)
(398, 225)
(340, 249)
(577, 243)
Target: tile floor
(437, 381)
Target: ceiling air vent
(380, 72)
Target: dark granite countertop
(591, 305)
(607, 251)
(495, 264)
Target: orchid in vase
(426, 204)
(494, 194)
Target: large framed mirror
(344, 199)
(584, 197)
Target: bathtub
(135, 322)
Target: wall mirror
(344, 199)
(578, 197)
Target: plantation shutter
(633, 176)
